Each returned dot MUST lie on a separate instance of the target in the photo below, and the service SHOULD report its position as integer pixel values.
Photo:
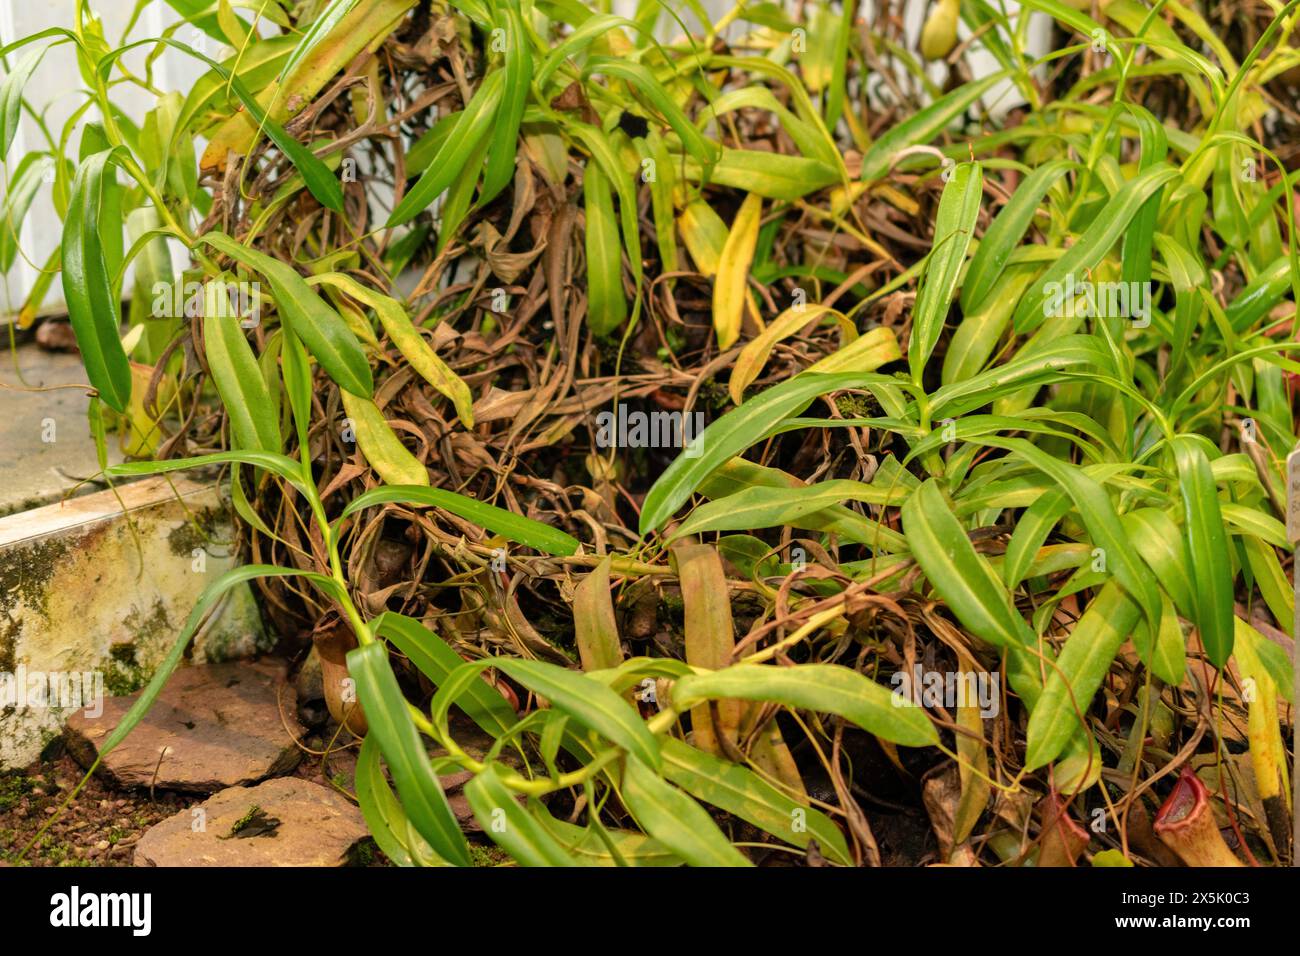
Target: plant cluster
(1002, 401)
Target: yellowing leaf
(754, 355)
(729, 286)
(380, 445)
(705, 234)
(864, 354)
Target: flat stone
(213, 726)
(316, 826)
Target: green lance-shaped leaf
(588, 701)
(597, 845)
(606, 300)
(322, 183)
(307, 315)
(639, 77)
(320, 28)
(1099, 517)
(93, 305)
(517, 528)
(1066, 15)
(11, 97)
(296, 366)
(1084, 661)
(958, 573)
(743, 793)
(1135, 254)
(1206, 549)
(1006, 231)
(675, 820)
(279, 465)
(578, 39)
(827, 688)
(736, 431)
(1044, 297)
(518, 76)
(254, 416)
(512, 827)
(22, 188)
(385, 818)
(1031, 534)
(1050, 364)
(1260, 295)
(762, 507)
(923, 126)
(393, 729)
(472, 129)
(1158, 540)
(436, 659)
(954, 227)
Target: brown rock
(282, 822)
(56, 336)
(213, 726)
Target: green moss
(9, 645)
(857, 406)
(715, 395)
(245, 820)
(13, 787)
(123, 675)
(487, 855)
(364, 853)
(24, 576)
(254, 823)
(194, 533)
(62, 854)
(9, 848)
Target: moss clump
(13, 787)
(857, 406)
(62, 854)
(9, 646)
(245, 820)
(123, 675)
(25, 576)
(364, 853)
(194, 533)
(254, 822)
(487, 855)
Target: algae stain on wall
(82, 596)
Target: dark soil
(99, 829)
(102, 826)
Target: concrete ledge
(47, 441)
(93, 593)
